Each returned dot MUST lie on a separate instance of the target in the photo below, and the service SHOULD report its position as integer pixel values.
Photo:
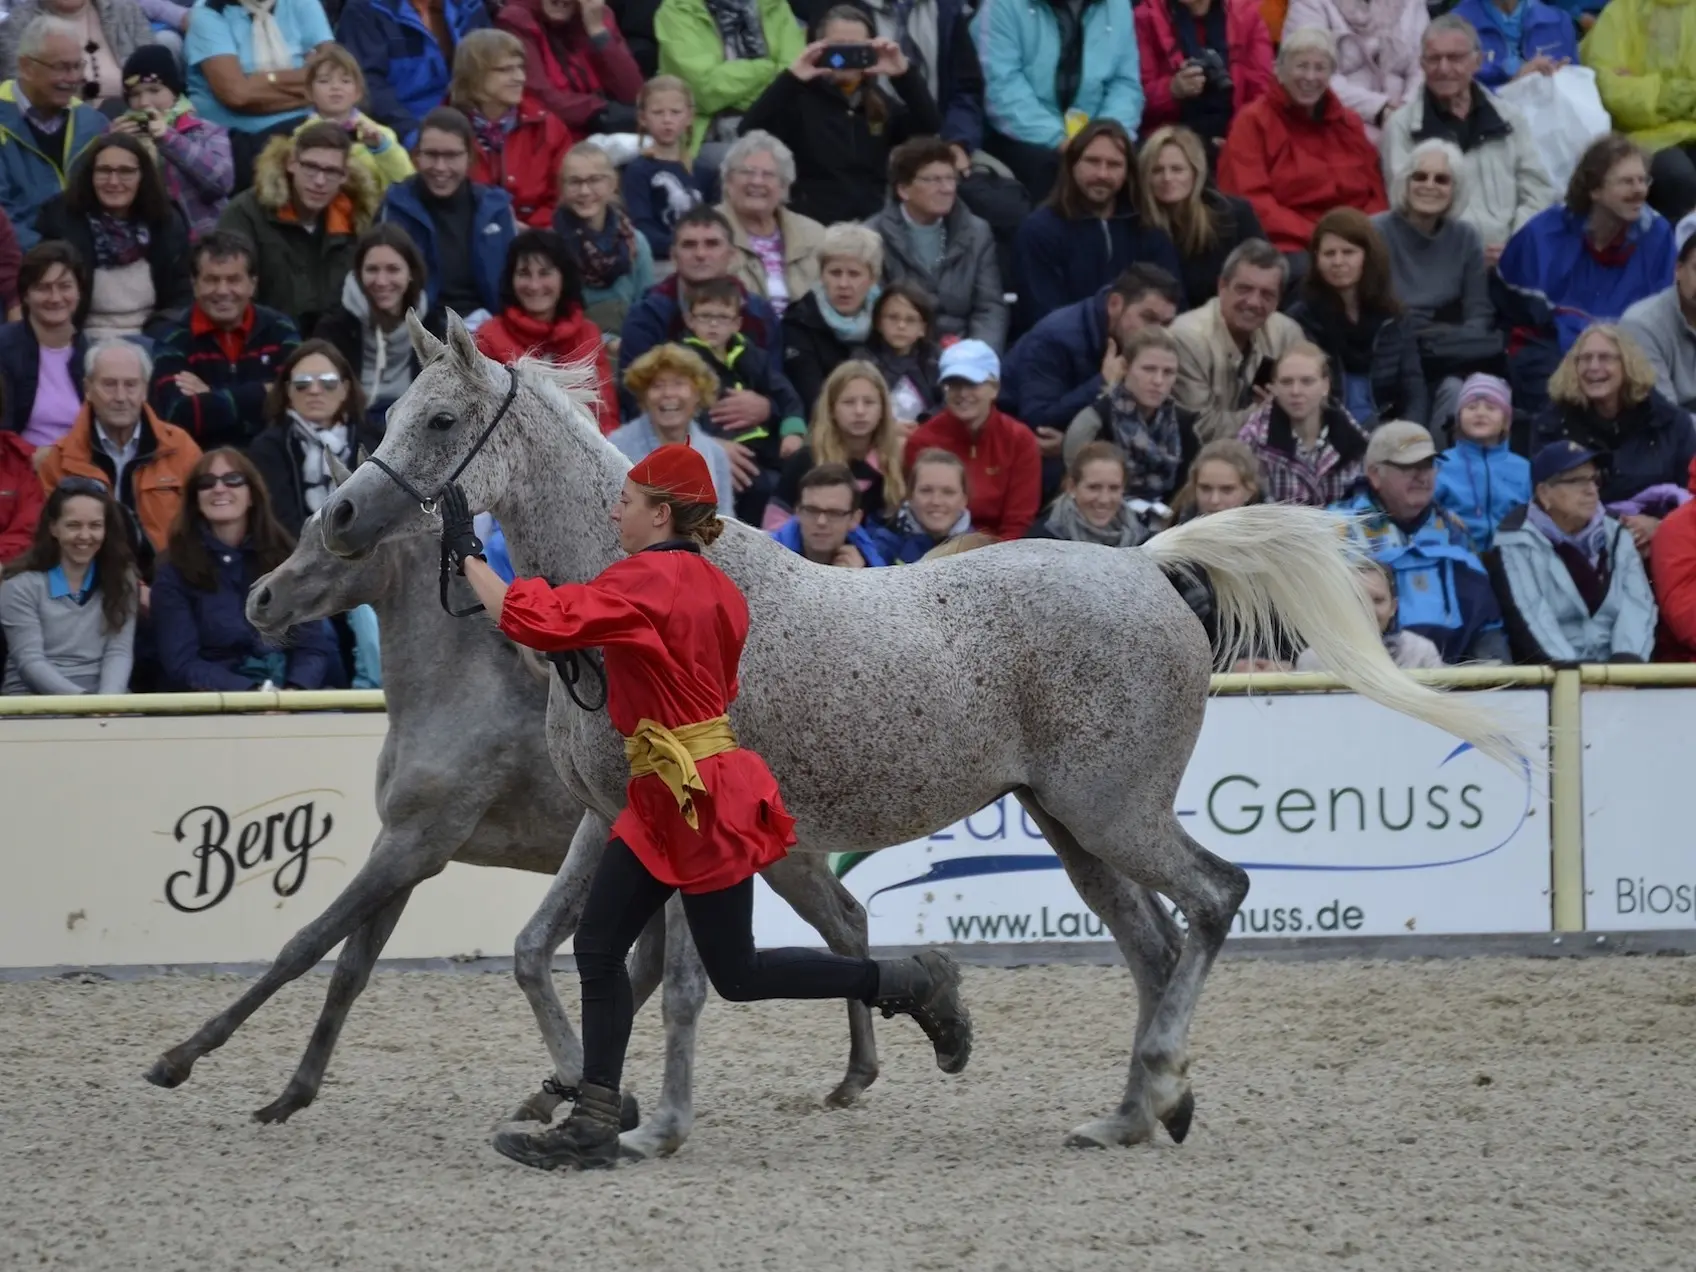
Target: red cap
(677, 471)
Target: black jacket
(20, 372)
(167, 254)
(811, 350)
(841, 155)
(232, 414)
(345, 331)
(1649, 444)
(277, 454)
(749, 367)
(1399, 388)
(1236, 223)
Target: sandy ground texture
(1443, 1115)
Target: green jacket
(692, 49)
(301, 270)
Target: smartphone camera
(848, 57)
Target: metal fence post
(1566, 799)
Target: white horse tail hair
(1278, 568)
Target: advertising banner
(1639, 850)
(209, 839)
(1350, 819)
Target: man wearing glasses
(308, 204)
(826, 526)
(43, 127)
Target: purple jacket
(199, 170)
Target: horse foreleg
(685, 994)
(806, 882)
(533, 964)
(353, 971)
(393, 867)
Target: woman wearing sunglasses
(316, 408)
(68, 604)
(224, 538)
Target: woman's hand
(370, 136)
(789, 445)
(806, 66)
(891, 61)
(459, 541)
(1642, 530)
(1191, 81)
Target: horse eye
(442, 421)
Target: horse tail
(1280, 568)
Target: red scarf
(561, 340)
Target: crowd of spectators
(914, 275)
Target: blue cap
(969, 360)
(1561, 457)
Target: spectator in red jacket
(21, 496)
(1298, 152)
(1672, 570)
(542, 315)
(1203, 61)
(520, 143)
(576, 62)
(1003, 465)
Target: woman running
(702, 815)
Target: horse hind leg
(353, 972)
(1150, 942)
(806, 882)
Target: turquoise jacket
(28, 178)
(1018, 43)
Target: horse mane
(574, 383)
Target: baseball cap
(1400, 442)
(971, 360)
(1561, 457)
(1683, 232)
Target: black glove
(459, 541)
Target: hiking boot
(587, 1140)
(927, 988)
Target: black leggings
(624, 896)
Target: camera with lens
(1217, 74)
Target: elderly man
(1506, 179)
(118, 441)
(1442, 590)
(1228, 348)
(308, 204)
(43, 128)
(1665, 324)
(215, 368)
(826, 526)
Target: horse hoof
(629, 1112)
(168, 1073)
(282, 1108)
(1177, 1122)
(1106, 1132)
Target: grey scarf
(1069, 523)
(1588, 540)
(738, 23)
(316, 483)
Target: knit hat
(153, 64)
(677, 471)
(1490, 388)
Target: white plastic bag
(1565, 112)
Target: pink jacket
(1377, 50)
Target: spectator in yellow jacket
(335, 86)
(1644, 56)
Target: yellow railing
(1566, 749)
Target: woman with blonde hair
(1603, 397)
(1174, 196)
(825, 327)
(1224, 474)
(853, 423)
(672, 385)
(520, 143)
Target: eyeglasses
(210, 481)
(105, 172)
(329, 381)
(937, 180)
(588, 183)
(66, 69)
(444, 156)
(714, 320)
(1433, 178)
(318, 172)
(1592, 481)
(813, 513)
(755, 174)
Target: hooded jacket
(966, 284)
(1019, 47)
(406, 73)
(1545, 613)
(199, 168)
(300, 268)
(1638, 49)
(347, 327)
(572, 337)
(156, 480)
(527, 167)
(1058, 261)
(1652, 442)
(492, 230)
(571, 73)
(1294, 167)
(1482, 484)
(21, 496)
(28, 177)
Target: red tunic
(671, 626)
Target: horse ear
(424, 344)
(361, 456)
(461, 345)
(338, 470)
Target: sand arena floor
(1451, 1115)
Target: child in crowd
(1479, 479)
(193, 153)
(335, 86)
(713, 314)
(1408, 650)
(901, 347)
(659, 184)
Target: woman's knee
(597, 953)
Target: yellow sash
(671, 753)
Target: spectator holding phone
(193, 154)
(334, 88)
(1202, 62)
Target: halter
(566, 664)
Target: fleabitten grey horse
(891, 703)
(464, 775)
